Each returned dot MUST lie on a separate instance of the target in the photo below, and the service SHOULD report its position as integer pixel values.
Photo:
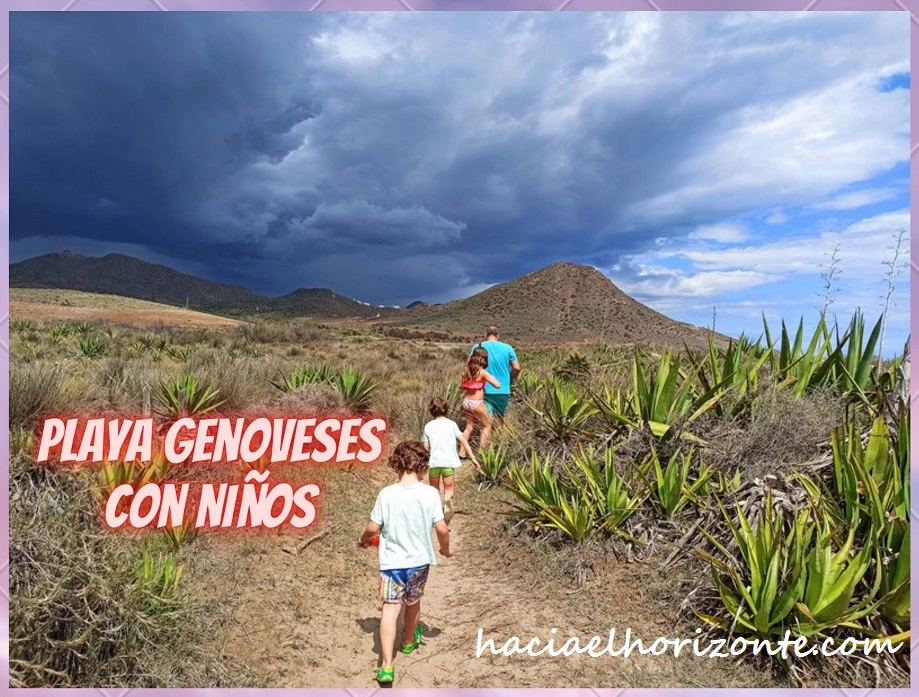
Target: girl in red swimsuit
(474, 378)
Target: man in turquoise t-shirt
(503, 364)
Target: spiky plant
(564, 413)
(356, 389)
(185, 396)
(93, 347)
(306, 375)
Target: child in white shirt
(440, 438)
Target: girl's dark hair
(409, 456)
(438, 407)
(481, 351)
(475, 363)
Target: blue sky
(699, 160)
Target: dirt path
(312, 620)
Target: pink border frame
(910, 6)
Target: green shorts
(441, 472)
(497, 403)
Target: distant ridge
(561, 303)
(118, 274)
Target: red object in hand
(375, 542)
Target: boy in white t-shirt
(440, 438)
(403, 516)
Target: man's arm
(515, 369)
(443, 537)
(371, 530)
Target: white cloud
(728, 232)
(654, 282)
(856, 199)
(777, 218)
(863, 248)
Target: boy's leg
(434, 481)
(388, 631)
(412, 616)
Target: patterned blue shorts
(404, 586)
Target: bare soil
(312, 619)
(75, 306)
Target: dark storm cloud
(395, 156)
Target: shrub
(36, 391)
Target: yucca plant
(83, 328)
(564, 412)
(606, 490)
(494, 462)
(93, 347)
(356, 389)
(186, 396)
(799, 367)
(306, 375)
(672, 486)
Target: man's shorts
(497, 403)
(404, 586)
(441, 472)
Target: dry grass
(259, 606)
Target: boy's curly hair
(409, 456)
(438, 407)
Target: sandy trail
(312, 619)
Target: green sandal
(408, 648)
(385, 675)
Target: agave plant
(796, 581)
(564, 413)
(574, 366)
(114, 474)
(855, 366)
(797, 366)
(738, 367)
(306, 375)
(180, 353)
(546, 501)
(528, 385)
(58, 332)
(356, 389)
(181, 534)
(606, 490)
(158, 578)
(672, 486)
(494, 462)
(186, 396)
(657, 402)
(93, 347)
(83, 328)
(23, 325)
